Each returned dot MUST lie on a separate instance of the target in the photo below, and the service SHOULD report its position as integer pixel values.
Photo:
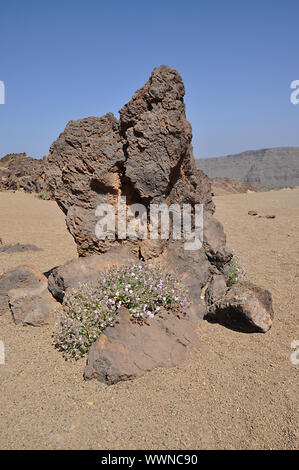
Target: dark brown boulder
(128, 350)
(146, 156)
(245, 307)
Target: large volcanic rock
(146, 156)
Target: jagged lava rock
(159, 157)
(146, 156)
(84, 168)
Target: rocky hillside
(223, 186)
(18, 171)
(270, 168)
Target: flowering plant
(143, 289)
(236, 271)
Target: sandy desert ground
(240, 391)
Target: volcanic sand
(238, 392)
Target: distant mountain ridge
(270, 168)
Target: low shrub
(143, 289)
(43, 196)
(236, 271)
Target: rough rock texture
(245, 307)
(147, 157)
(82, 270)
(24, 290)
(17, 171)
(84, 167)
(128, 350)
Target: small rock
(245, 307)
(252, 213)
(24, 290)
(267, 216)
(22, 276)
(33, 306)
(128, 349)
(18, 248)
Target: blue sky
(63, 60)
